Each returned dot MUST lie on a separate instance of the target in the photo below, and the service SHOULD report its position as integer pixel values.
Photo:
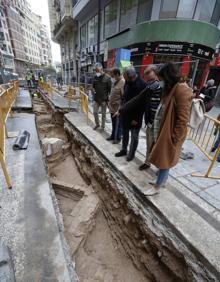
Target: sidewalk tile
(212, 201)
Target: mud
(96, 252)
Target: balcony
(79, 6)
(65, 9)
(64, 20)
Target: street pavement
(23, 100)
(29, 219)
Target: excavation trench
(92, 234)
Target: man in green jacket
(101, 91)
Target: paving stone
(214, 191)
(202, 182)
(187, 183)
(214, 202)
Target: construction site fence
(8, 94)
(206, 137)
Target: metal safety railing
(206, 138)
(7, 97)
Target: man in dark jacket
(146, 103)
(101, 91)
(131, 122)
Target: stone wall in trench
(147, 237)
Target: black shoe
(121, 153)
(213, 149)
(130, 158)
(144, 166)
(117, 141)
(109, 139)
(96, 127)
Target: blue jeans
(162, 176)
(217, 143)
(116, 128)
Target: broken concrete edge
(7, 272)
(59, 219)
(181, 239)
(55, 107)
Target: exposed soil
(98, 257)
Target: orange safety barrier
(204, 138)
(7, 97)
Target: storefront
(188, 55)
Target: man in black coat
(132, 122)
(101, 91)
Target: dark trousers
(134, 140)
(116, 128)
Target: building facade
(29, 38)
(45, 47)
(6, 53)
(64, 31)
(156, 31)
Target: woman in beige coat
(170, 124)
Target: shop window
(144, 10)
(83, 36)
(216, 14)
(168, 9)
(128, 13)
(92, 30)
(110, 17)
(207, 10)
(186, 9)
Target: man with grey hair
(131, 121)
(101, 91)
(150, 98)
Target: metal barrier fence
(7, 98)
(205, 137)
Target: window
(2, 37)
(216, 14)
(207, 10)
(110, 19)
(83, 36)
(186, 9)
(96, 28)
(144, 10)
(92, 30)
(168, 9)
(128, 13)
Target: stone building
(6, 53)
(28, 36)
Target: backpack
(197, 113)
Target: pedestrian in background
(131, 122)
(170, 124)
(208, 94)
(115, 101)
(28, 79)
(217, 142)
(101, 91)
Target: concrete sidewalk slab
(23, 101)
(60, 102)
(29, 218)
